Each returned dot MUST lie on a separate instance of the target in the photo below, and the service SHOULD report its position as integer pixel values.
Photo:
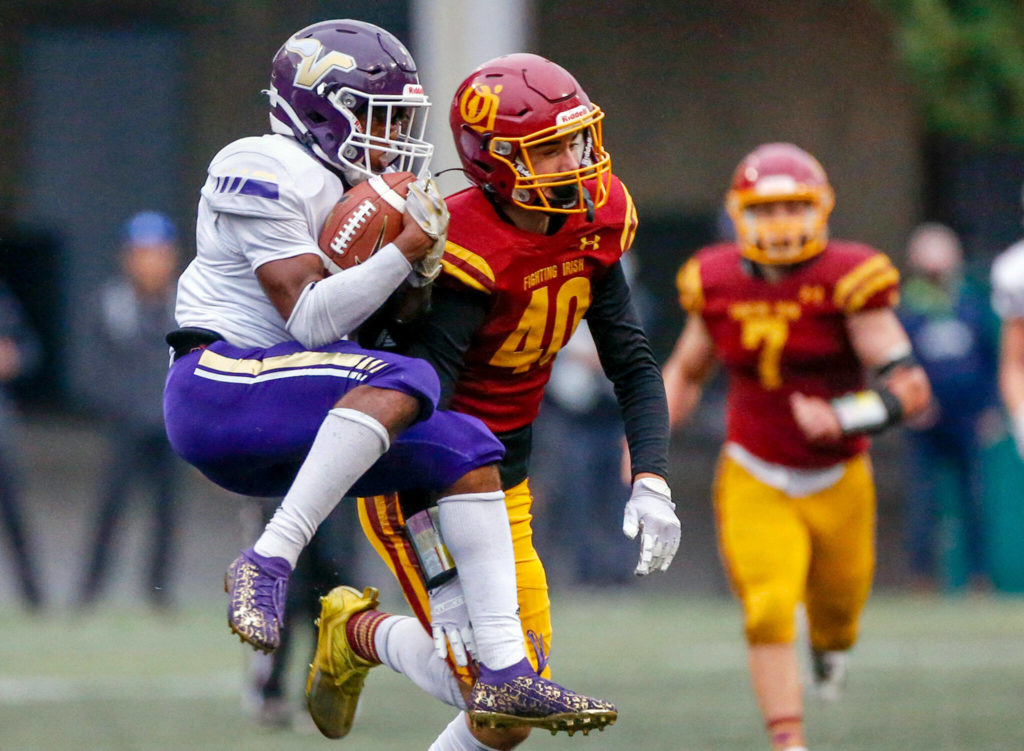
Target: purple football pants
(246, 418)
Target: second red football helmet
(780, 173)
(514, 102)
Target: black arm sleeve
(629, 363)
(443, 337)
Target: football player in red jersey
(798, 321)
(533, 248)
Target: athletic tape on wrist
(868, 411)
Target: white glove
(426, 206)
(651, 512)
(449, 621)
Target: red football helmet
(785, 175)
(514, 102)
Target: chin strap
(589, 202)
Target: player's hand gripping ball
(367, 218)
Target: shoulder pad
(630, 220)
(468, 268)
(868, 281)
(269, 177)
(620, 211)
(691, 291)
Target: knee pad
(770, 619)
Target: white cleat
(828, 674)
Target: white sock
(404, 646)
(456, 737)
(476, 529)
(347, 444)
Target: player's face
(381, 127)
(557, 155)
(782, 227)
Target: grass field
(929, 675)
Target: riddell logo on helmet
(576, 113)
(412, 89)
(776, 185)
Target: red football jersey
(539, 286)
(775, 338)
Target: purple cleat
(256, 587)
(517, 696)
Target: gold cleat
(554, 723)
(337, 674)
(570, 723)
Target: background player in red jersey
(534, 247)
(795, 319)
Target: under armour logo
(590, 243)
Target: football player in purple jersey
(267, 397)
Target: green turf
(929, 674)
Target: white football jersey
(265, 198)
(1008, 282)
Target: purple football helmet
(333, 81)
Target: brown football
(367, 218)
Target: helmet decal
(479, 103)
(314, 65)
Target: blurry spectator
(134, 311)
(953, 333)
(329, 559)
(19, 355)
(1008, 301)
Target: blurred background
(916, 110)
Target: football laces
(344, 236)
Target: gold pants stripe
(382, 523)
